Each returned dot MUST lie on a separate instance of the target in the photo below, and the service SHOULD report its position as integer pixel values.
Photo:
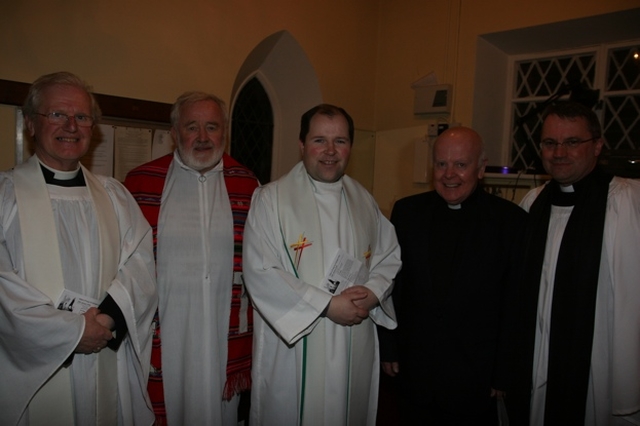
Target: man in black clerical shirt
(459, 247)
(71, 238)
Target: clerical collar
(62, 178)
(315, 182)
(325, 186)
(467, 201)
(567, 195)
(563, 196)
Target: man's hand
(106, 321)
(391, 368)
(344, 310)
(369, 302)
(95, 335)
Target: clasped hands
(352, 306)
(97, 331)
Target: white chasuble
(307, 369)
(195, 273)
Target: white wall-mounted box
(432, 99)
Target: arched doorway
(281, 67)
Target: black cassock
(453, 297)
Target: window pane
(621, 124)
(623, 69)
(525, 136)
(545, 79)
(252, 133)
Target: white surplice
(302, 359)
(195, 271)
(614, 383)
(37, 338)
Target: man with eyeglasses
(77, 278)
(578, 346)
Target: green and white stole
(300, 227)
(43, 270)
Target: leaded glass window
(538, 81)
(607, 78)
(252, 130)
(621, 106)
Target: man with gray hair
(196, 200)
(459, 246)
(76, 266)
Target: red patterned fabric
(146, 183)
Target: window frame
(600, 52)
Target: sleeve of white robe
(35, 340)
(385, 264)
(291, 306)
(35, 337)
(134, 290)
(622, 245)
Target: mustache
(202, 144)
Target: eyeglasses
(61, 119)
(550, 144)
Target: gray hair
(33, 101)
(189, 98)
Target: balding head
(465, 136)
(458, 163)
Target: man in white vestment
(196, 200)
(319, 260)
(579, 360)
(77, 285)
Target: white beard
(200, 163)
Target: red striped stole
(146, 183)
